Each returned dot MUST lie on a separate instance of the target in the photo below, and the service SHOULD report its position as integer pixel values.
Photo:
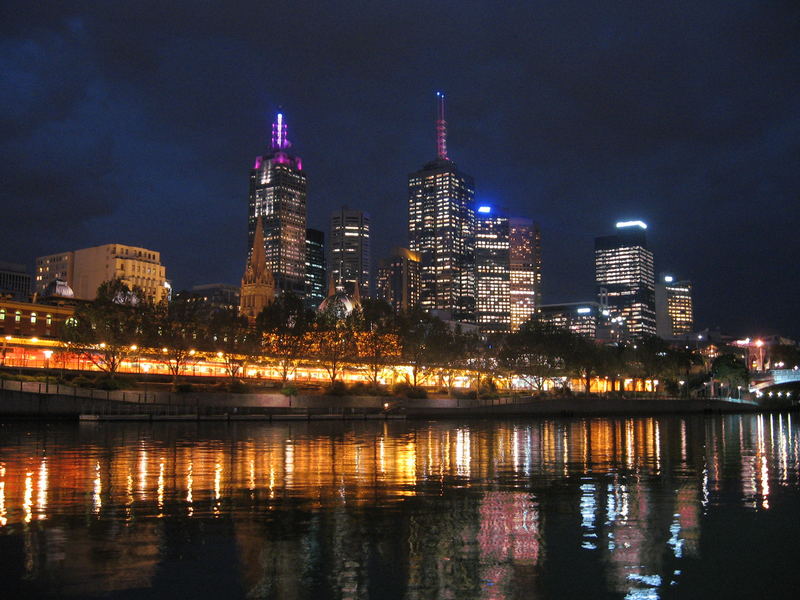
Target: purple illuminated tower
(278, 196)
(441, 228)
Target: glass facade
(441, 228)
(625, 279)
(315, 268)
(398, 279)
(492, 273)
(674, 310)
(278, 196)
(349, 250)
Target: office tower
(492, 271)
(398, 279)
(315, 267)
(441, 228)
(15, 283)
(625, 279)
(258, 286)
(52, 267)
(348, 250)
(674, 315)
(278, 196)
(582, 318)
(525, 254)
(87, 268)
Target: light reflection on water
(486, 509)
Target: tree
(234, 341)
(108, 330)
(335, 341)
(176, 332)
(535, 353)
(377, 339)
(730, 370)
(583, 358)
(422, 338)
(285, 324)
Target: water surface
(639, 508)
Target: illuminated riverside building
(582, 318)
(625, 278)
(441, 229)
(84, 270)
(315, 268)
(674, 314)
(492, 271)
(349, 250)
(525, 271)
(14, 282)
(398, 279)
(278, 196)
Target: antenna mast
(441, 128)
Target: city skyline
(561, 137)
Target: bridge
(772, 377)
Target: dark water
(634, 508)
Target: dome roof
(58, 288)
(339, 303)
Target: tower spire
(441, 128)
(279, 139)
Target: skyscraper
(625, 279)
(525, 254)
(315, 267)
(278, 196)
(492, 271)
(441, 228)
(349, 251)
(398, 279)
(674, 314)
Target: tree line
(121, 324)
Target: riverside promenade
(41, 401)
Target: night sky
(138, 122)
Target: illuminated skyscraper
(625, 278)
(348, 250)
(674, 315)
(492, 271)
(315, 267)
(581, 318)
(441, 228)
(525, 254)
(278, 196)
(398, 279)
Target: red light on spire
(441, 127)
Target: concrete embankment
(581, 407)
(38, 402)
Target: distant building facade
(582, 318)
(84, 270)
(398, 279)
(258, 285)
(26, 319)
(15, 282)
(315, 268)
(278, 196)
(525, 270)
(625, 279)
(52, 267)
(441, 229)
(674, 310)
(349, 250)
(206, 299)
(492, 271)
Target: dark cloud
(137, 122)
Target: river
(635, 508)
